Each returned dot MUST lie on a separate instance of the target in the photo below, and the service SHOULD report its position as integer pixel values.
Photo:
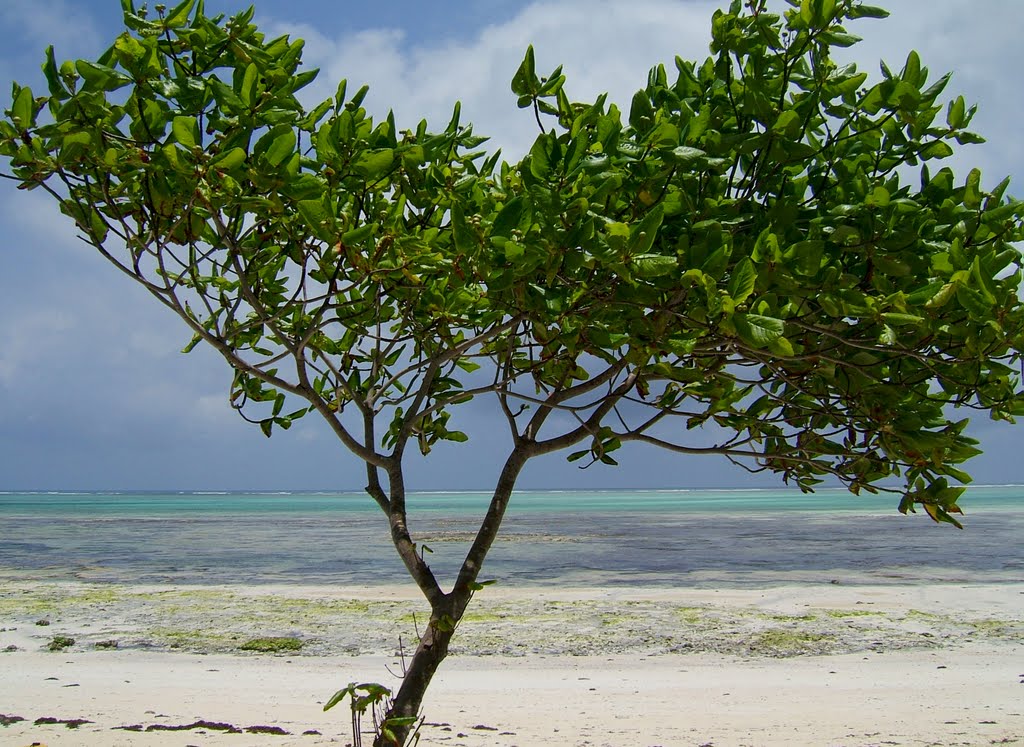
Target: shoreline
(777, 621)
(807, 664)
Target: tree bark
(431, 651)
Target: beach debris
(42, 623)
(266, 730)
(71, 723)
(106, 644)
(6, 720)
(201, 724)
(210, 726)
(60, 642)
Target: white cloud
(609, 46)
(30, 338)
(214, 409)
(39, 22)
(604, 47)
(33, 223)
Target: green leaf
(687, 156)
(867, 11)
(524, 82)
(879, 197)
(247, 89)
(974, 302)
(359, 235)
(229, 160)
(76, 142)
(282, 147)
(53, 80)
(340, 696)
(401, 721)
(938, 149)
(541, 156)
(983, 282)
(956, 113)
(757, 330)
(179, 15)
(899, 320)
(463, 236)
(807, 12)
(317, 218)
(788, 124)
(806, 256)
(912, 68)
(742, 281)
(373, 164)
(186, 131)
(225, 95)
(888, 336)
(782, 347)
(101, 77)
(1000, 213)
(510, 217)
(851, 84)
(840, 38)
(942, 296)
(654, 265)
(24, 108)
(513, 251)
(644, 234)
(972, 190)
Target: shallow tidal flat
(778, 622)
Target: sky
(94, 393)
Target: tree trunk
(431, 651)
(447, 609)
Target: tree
(747, 258)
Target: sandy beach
(808, 664)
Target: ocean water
(679, 538)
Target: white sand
(963, 685)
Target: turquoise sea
(654, 538)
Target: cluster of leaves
(375, 698)
(748, 242)
(745, 252)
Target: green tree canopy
(764, 248)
